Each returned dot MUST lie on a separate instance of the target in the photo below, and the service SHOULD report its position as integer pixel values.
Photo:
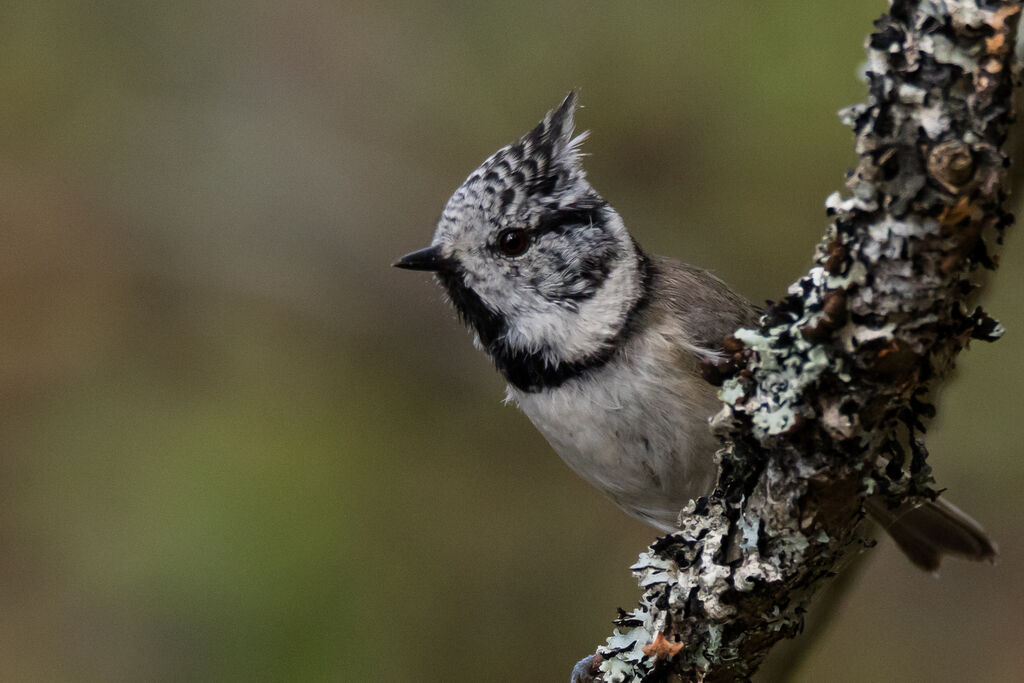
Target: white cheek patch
(539, 326)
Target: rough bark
(824, 403)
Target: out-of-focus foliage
(236, 446)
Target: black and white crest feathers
(543, 166)
(553, 148)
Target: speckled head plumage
(535, 261)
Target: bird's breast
(639, 436)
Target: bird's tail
(925, 531)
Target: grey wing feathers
(706, 307)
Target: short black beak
(423, 259)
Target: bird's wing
(706, 308)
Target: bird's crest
(543, 166)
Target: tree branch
(824, 402)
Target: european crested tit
(602, 344)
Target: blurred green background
(237, 446)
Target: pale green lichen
(731, 391)
(912, 94)
(948, 52)
(618, 671)
(784, 371)
(714, 644)
(748, 526)
(857, 274)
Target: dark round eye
(513, 241)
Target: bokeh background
(237, 446)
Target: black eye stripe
(560, 221)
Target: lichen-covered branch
(823, 404)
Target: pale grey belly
(646, 446)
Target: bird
(602, 344)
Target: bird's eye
(513, 241)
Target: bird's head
(532, 257)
